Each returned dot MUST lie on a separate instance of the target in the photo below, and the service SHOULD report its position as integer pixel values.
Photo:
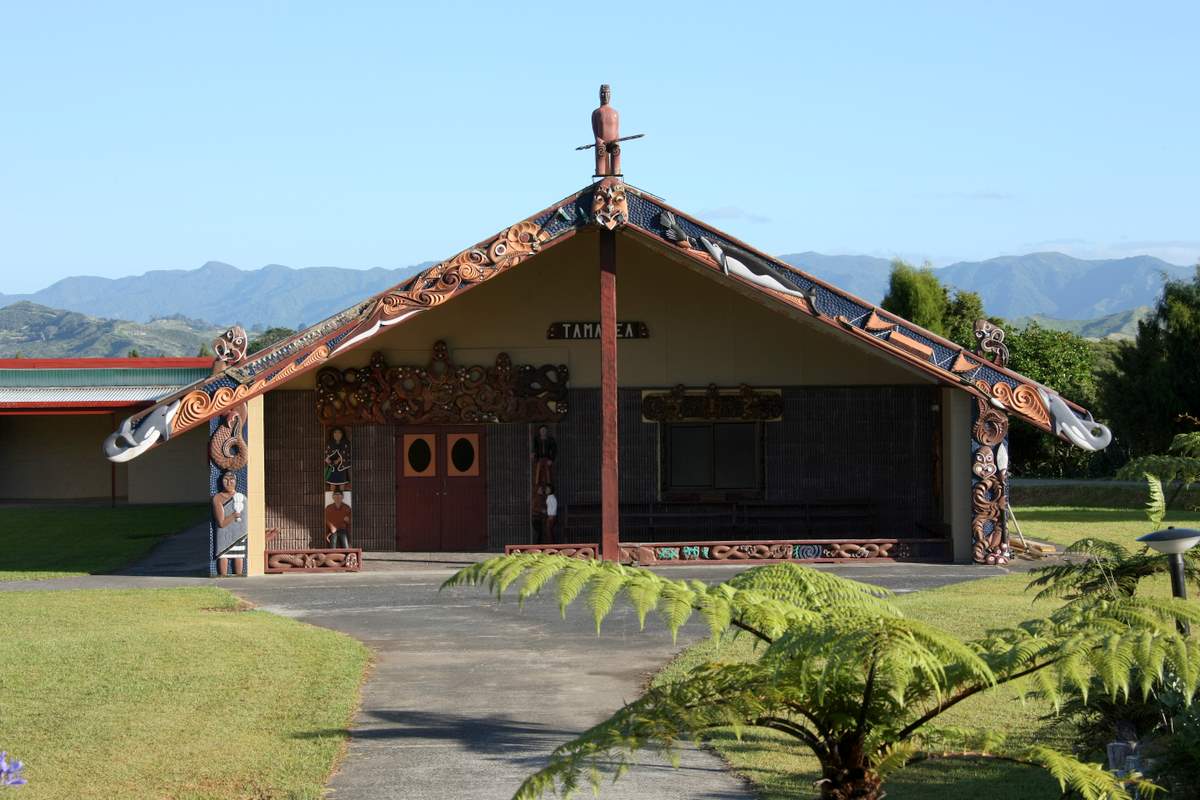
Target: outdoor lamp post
(1173, 543)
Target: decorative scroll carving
(610, 206)
(229, 349)
(991, 426)
(746, 404)
(989, 496)
(314, 560)
(1024, 400)
(989, 342)
(441, 393)
(439, 283)
(199, 405)
(227, 447)
(583, 551)
(777, 550)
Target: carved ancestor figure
(337, 460)
(229, 516)
(606, 127)
(229, 349)
(990, 342)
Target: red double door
(441, 492)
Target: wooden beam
(610, 506)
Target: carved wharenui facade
(738, 409)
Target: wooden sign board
(591, 330)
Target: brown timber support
(610, 549)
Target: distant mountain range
(221, 294)
(173, 312)
(34, 331)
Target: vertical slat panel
(294, 476)
(860, 443)
(374, 480)
(508, 484)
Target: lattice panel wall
(509, 483)
(873, 444)
(295, 449)
(374, 481)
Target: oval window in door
(419, 456)
(463, 455)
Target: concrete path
(468, 696)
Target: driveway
(468, 696)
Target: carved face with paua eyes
(605, 94)
(985, 463)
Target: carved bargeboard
(441, 393)
(743, 403)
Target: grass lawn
(54, 542)
(781, 770)
(1062, 525)
(170, 693)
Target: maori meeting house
(608, 377)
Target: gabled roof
(612, 205)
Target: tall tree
(1155, 383)
(916, 294)
(1064, 361)
(961, 312)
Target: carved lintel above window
(741, 403)
(441, 393)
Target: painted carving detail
(441, 392)
(229, 349)
(989, 342)
(685, 552)
(744, 403)
(346, 560)
(610, 205)
(439, 283)
(606, 128)
(227, 446)
(989, 495)
(1085, 433)
(138, 434)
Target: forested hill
(1052, 285)
(34, 331)
(221, 294)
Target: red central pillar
(610, 508)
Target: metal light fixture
(1173, 543)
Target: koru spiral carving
(227, 447)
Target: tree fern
(845, 675)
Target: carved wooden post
(989, 491)
(610, 507)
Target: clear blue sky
(162, 135)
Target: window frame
(710, 493)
